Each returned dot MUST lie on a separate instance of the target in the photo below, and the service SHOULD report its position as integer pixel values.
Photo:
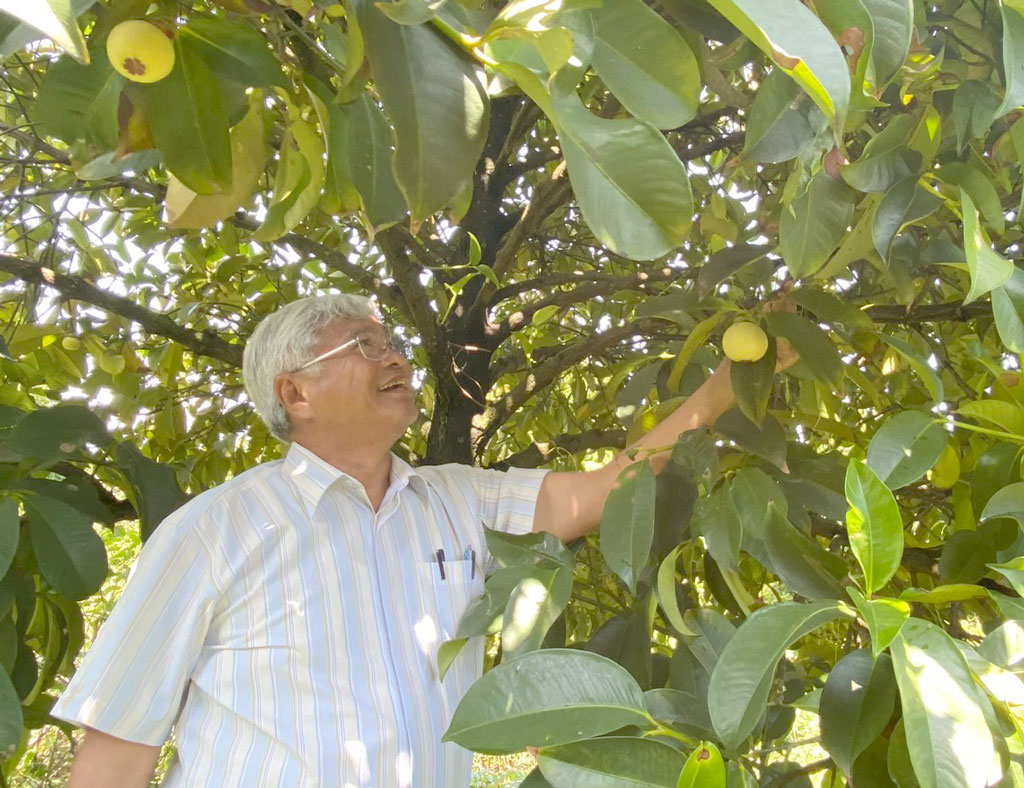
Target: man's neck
(370, 467)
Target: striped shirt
(289, 633)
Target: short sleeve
(507, 499)
(132, 681)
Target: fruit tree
(564, 204)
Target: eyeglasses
(372, 345)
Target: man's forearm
(105, 761)
(701, 409)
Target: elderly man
(286, 622)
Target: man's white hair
(284, 341)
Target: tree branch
(545, 373)
(954, 310)
(205, 343)
(542, 453)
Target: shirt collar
(313, 476)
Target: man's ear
(291, 394)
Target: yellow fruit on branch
(744, 341)
(946, 471)
(71, 343)
(140, 50)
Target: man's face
(351, 395)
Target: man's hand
(785, 355)
(105, 761)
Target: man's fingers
(532, 751)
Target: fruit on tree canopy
(140, 51)
(71, 343)
(744, 341)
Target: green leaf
(646, 63)
(235, 50)
(52, 433)
(1008, 310)
(856, 705)
(611, 762)
(901, 770)
(812, 227)
(817, 350)
(666, 592)
(70, 553)
(1004, 646)
(187, 209)
(80, 102)
(941, 595)
(546, 698)
(632, 188)
(977, 181)
(297, 183)
(783, 120)
(947, 735)
(893, 21)
(193, 138)
(792, 36)
(742, 678)
(446, 654)
(965, 555)
(10, 529)
(55, 19)
(974, 108)
(627, 524)
(752, 383)
(533, 606)
(1013, 58)
(886, 158)
(1006, 502)
(884, 617)
(988, 268)
(1013, 571)
(1005, 415)
(919, 365)
(903, 204)
(874, 524)
(484, 614)
(153, 485)
(11, 719)
(752, 491)
(526, 549)
(366, 152)
(685, 710)
(767, 440)
(849, 20)
(440, 123)
(718, 522)
(704, 768)
(806, 567)
(905, 447)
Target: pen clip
(440, 562)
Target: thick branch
(954, 310)
(205, 343)
(542, 453)
(547, 372)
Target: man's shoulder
(223, 498)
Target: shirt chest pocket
(444, 600)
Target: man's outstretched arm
(570, 503)
(105, 761)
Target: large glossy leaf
(752, 491)
(187, 209)
(988, 268)
(627, 524)
(1013, 571)
(783, 120)
(10, 530)
(440, 123)
(893, 21)
(666, 591)
(57, 432)
(193, 138)
(1008, 310)
(812, 227)
(685, 710)
(752, 383)
(532, 608)
(546, 698)
(947, 735)
(55, 19)
(742, 678)
(1006, 502)
(235, 50)
(767, 440)
(905, 447)
(886, 159)
(1006, 416)
(70, 553)
(646, 63)
(1013, 58)
(904, 203)
(11, 715)
(632, 189)
(799, 44)
(884, 617)
(807, 568)
(611, 762)
(80, 101)
(526, 549)
(298, 181)
(850, 22)
(919, 365)
(874, 524)
(856, 705)
(154, 487)
(717, 520)
(817, 350)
